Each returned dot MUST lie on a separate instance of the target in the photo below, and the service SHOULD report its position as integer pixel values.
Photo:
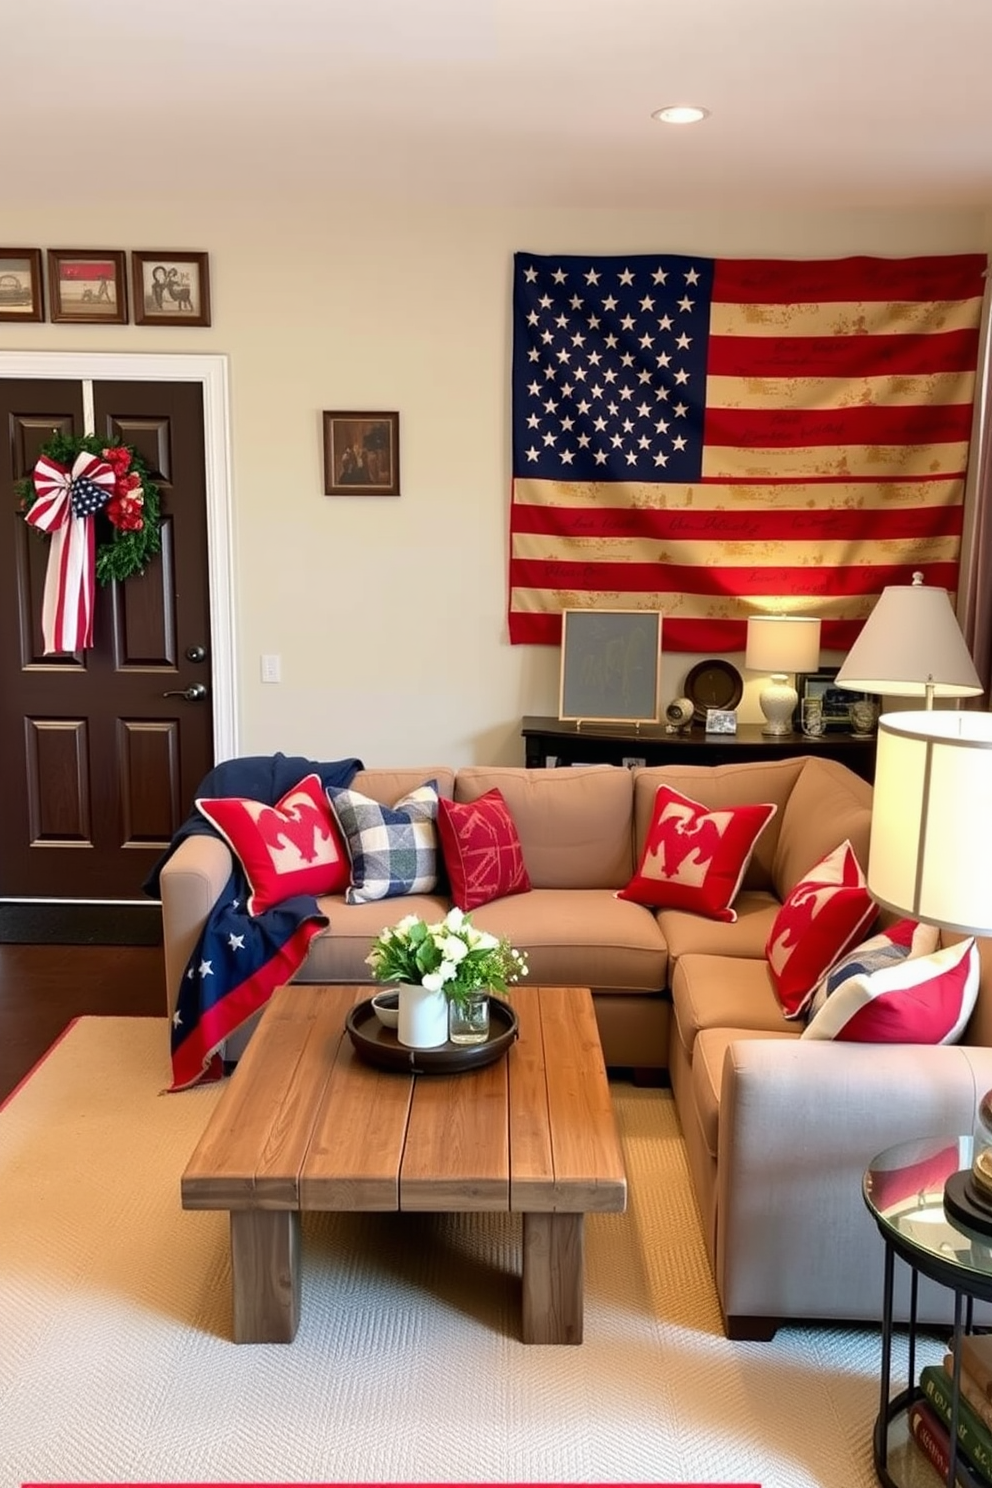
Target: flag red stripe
(821, 524)
(789, 282)
(722, 580)
(842, 356)
(710, 637)
(792, 428)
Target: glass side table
(904, 1190)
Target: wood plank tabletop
(305, 1123)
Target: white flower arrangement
(451, 956)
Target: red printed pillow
(827, 911)
(695, 858)
(922, 1000)
(293, 847)
(481, 850)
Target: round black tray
(380, 1046)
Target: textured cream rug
(116, 1365)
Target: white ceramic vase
(423, 1020)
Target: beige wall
(390, 615)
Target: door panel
(101, 765)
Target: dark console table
(550, 739)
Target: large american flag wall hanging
(721, 438)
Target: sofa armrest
(189, 885)
(799, 1122)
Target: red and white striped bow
(70, 579)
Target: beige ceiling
(532, 103)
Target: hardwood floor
(43, 987)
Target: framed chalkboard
(610, 666)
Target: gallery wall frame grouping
(89, 286)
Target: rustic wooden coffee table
(305, 1124)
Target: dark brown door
(99, 765)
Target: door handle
(194, 693)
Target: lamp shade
(911, 645)
(782, 643)
(931, 828)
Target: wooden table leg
(265, 1270)
(552, 1278)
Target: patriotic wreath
(94, 499)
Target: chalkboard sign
(610, 664)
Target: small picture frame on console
(836, 700)
(721, 721)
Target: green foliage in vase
(450, 956)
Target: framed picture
(610, 666)
(170, 288)
(836, 700)
(21, 295)
(361, 454)
(721, 721)
(87, 285)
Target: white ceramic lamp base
(778, 703)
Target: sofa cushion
(827, 805)
(717, 787)
(293, 847)
(393, 849)
(481, 850)
(686, 933)
(694, 857)
(921, 1000)
(724, 992)
(901, 941)
(573, 824)
(827, 911)
(338, 953)
(581, 937)
(387, 785)
(708, 1057)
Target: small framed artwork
(170, 288)
(21, 295)
(721, 721)
(87, 285)
(361, 454)
(610, 666)
(836, 701)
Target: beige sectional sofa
(778, 1129)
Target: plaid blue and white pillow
(393, 849)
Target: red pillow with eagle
(695, 856)
(293, 847)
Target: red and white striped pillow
(922, 1000)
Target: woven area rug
(116, 1364)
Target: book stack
(930, 1417)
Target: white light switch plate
(271, 668)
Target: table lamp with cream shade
(780, 644)
(930, 858)
(911, 646)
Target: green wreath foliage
(119, 554)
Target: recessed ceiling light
(680, 113)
